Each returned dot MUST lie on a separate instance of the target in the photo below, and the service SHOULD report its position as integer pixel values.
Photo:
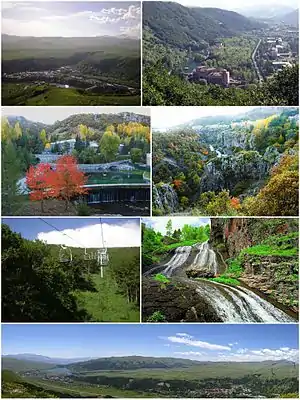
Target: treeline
(17, 154)
(155, 244)
(38, 286)
(163, 89)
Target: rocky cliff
(271, 268)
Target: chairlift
(65, 254)
(87, 256)
(102, 256)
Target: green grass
(107, 305)
(87, 389)
(203, 371)
(224, 279)
(266, 250)
(161, 278)
(41, 95)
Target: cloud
(124, 235)
(26, 19)
(189, 353)
(244, 355)
(196, 343)
(184, 335)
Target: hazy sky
(159, 223)
(237, 4)
(49, 115)
(80, 232)
(71, 18)
(205, 342)
(171, 116)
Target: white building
(148, 159)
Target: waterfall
(238, 304)
(206, 258)
(180, 257)
(231, 303)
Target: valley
(233, 270)
(70, 71)
(242, 164)
(217, 57)
(153, 377)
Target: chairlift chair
(65, 254)
(103, 257)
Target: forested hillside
(248, 166)
(181, 27)
(38, 287)
(177, 39)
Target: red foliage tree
(68, 181)
(235, 203)
(38, 181)
(177, 183)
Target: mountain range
(22, 362)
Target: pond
(117, 177)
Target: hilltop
(71, 123)
(180, 27)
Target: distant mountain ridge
(180, 27)
(265, 11)
(252, 115)
(94, 121)
(125, 363)
(45, 359)
(291, 18)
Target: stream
(231, 303)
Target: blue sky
(214, 342)
(117, 232)
(159, 223)
(71, 18)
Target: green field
(107, 304)
(212, 370)
(41, 95)
(81, 390)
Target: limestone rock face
(165, 198)
(226, 172)
(272, 275)
(194, 272)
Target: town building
(216, 76)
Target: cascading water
(231, 304)
(206, 258)
(239, 304)
(180, 257)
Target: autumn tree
(43, 136)
(38, 180)
(280, 195)
(67, 181)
